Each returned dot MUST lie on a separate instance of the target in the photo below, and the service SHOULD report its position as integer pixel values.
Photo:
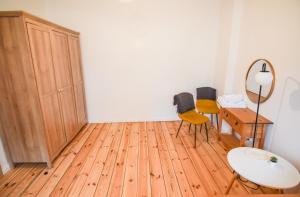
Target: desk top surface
(247, 116)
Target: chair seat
(207, 106)
(193, 117)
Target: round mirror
(252, 86)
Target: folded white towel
(232, 101)
(233, 98)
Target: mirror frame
(273, 82)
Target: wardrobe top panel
(30, 16)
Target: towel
(233, 98)
(232, 101)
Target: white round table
(254, 165)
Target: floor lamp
(263, 78)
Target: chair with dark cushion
(206, 102)
(186, 112)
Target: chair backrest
(184, 102)
(206, 93)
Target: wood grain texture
(242, 121)
(169, 175)
(116, 184)
(144, 187)
(197, 186)
(178, 168)
(64, 82)
(77, 184)
(247, 116)
(38, 100)
(100, 164)
(130, 159)
(45, 175)
(66, 164)
(157, 182)
(40, 46)
(20, 113)
(76, 165)
(109, 165)
(76, 67)
(130, 186)
(75, 57)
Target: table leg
(235, 175)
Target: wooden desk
(242, 121)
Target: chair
(186, 112)
(206, 102)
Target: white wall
(4, 160)
(35, 7)
(137, 54)
(270, 29)
(225, 40)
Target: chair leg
(179, 128)
(211, 120)
(217, 119)
(206, 132)
(201, 127)
(190, 127)
(195, 135)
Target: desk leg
(262, 138)
(243, 141)
(217, 121)
(235, 175)
(220, 124)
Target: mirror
(252, 87)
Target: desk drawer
(234, 123)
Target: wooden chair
(186, 112)
(206, 102)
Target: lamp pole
(256, 119)
(263, 77)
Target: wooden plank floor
(130, 159)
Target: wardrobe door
(40, 46)
(75, 57)
(61, 62)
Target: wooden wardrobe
(42, 100)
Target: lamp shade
(264, 78)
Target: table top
(254, 165)
(247, 116)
